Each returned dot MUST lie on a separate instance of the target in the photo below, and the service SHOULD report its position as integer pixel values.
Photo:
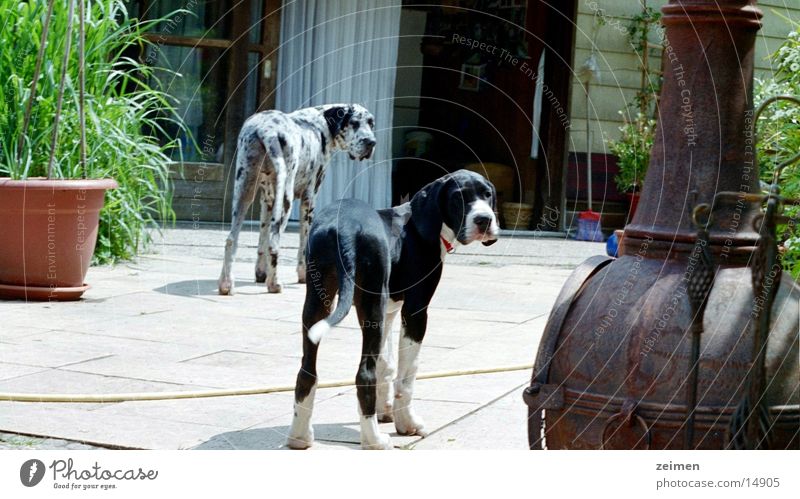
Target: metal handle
(628, 413)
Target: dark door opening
(482, 64)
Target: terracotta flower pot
(633, 198)
(49, 231)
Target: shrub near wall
(779, 135)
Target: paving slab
(11, 441)
(158, 324)
(500, 423)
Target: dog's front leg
(386, 366)
(411, 333)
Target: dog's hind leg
(371, 309)
(267, 204)
(248, 164)
(284, 194)
(319, 298)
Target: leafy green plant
(639, 30)
(638, 131)
(124, 105)
(633, 151)
(779, 136)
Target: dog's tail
(345, 267)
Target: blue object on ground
(612, 245)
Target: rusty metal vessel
(614, 363)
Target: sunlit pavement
(157, 324)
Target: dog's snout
(482, 221)
(369, 143)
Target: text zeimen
(670, 466)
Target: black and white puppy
(284, 155)
(384, 262)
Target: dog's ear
(337, 118)
(426, 212)
(494, 209)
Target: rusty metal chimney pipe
(704, 142)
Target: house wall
(409, 77)
(619, 65)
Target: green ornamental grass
(125, 108)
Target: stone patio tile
(10, 441)
(9, 333)
(495, 352)
(286, 343)
(450, 340)
(52, 353)
(181, 327)
(228, 412)
(501, 425)
(119, 346)
(480, 389)
(268, 438)
(252, 361)
(8, 371)
(338, 418)
(438, 315)
(67, 381)
(96, 427)
(275, 371)
(59, 381)
(335, 423)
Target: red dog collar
(447, 246)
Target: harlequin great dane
(285, 155)
(384, 262)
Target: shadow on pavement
(200, 287)
(275, 438)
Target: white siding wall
(619, 64)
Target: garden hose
(230, 392)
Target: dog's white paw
(382, 442)
(301, 442)
(225, 287)
(385, 415)
(275, 287)
(301, 275)
(408, 423)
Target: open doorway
(485, 85)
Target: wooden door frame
(551, 170)
(237, 49)
(268, 67)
